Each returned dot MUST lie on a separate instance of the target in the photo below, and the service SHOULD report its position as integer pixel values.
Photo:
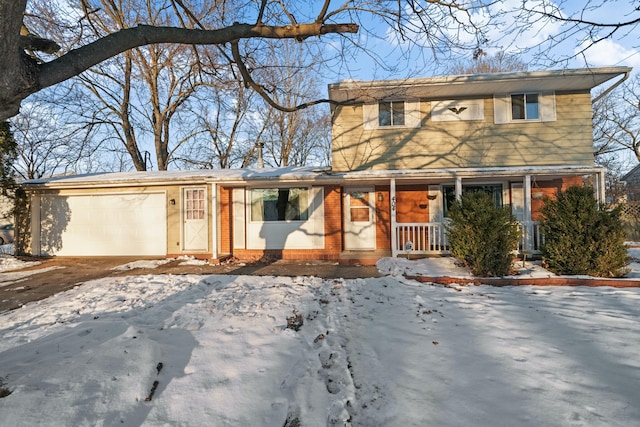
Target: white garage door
(114, 224)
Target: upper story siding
(466, 121)
(567, 140)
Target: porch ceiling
(438, 175)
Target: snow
(384, 351)
(8, 262)
(152, 263)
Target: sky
(541, 44)
(222, 350)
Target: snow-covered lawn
(388, 351)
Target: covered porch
(418, 201)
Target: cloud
(609, 52)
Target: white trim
(412, 115)
(392, 199)
(214, 221)
(239, 213)
(36, 224)
(503, 114)
(435, 205)
(457, 110)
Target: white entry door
(194, 216)
(359, 221)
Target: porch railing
(531, 239)
(420, 238)
(425, 238)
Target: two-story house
(402, 152)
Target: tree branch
(79, 60)
(260, 90)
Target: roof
(632, 174)
(295, 175)
(469, 85)
(107, 179)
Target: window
(391, 113)
(279, 204)
(525, 106)
(495, 190)
(195, 203)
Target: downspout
(612, 87)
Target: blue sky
(536, 41)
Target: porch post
(527, 226)
(458, 188)
(214, 221)
(600, 195)
(392, 199)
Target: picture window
(279, 204)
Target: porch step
(362, 257)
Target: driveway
(60, 274)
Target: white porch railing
(425, 238)
(420, 238)
(531, 239)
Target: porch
(430, 238)
(419, 204)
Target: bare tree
(26, 69)
(579, 26)
(300, 137)
(49, 141)
(23, 75)
(482, 63)
(222, 116)
(616, 120)
(140, 92)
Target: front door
(359, 227)
(194, 216)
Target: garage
(129, 224)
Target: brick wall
(550, 189)
(226, 226)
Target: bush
(581, 236)
(482, 235)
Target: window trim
(502, 108)
(412, 115)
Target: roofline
(478, 78)
(321, 177)
(628, 174)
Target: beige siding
(566, 141)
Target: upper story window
(524, 106)
(391, 113)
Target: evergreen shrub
(483, 235)
(582, 236)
